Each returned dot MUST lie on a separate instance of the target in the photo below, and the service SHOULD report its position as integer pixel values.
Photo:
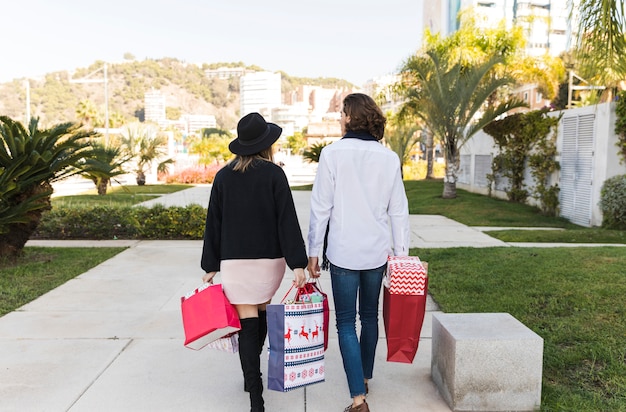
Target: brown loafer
(360, 408)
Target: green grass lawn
(575, 235)
(473, 209)
(572, 297)
(478, 210)
(117, 196)
(42, 269)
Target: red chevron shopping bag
(404, 306)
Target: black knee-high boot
(251, 362)
(262, 329)
(262, 335)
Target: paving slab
(51, 374)
(435, 231)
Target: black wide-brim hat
(254, 135)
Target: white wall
(606, 161)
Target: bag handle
(288, 292)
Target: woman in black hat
(252, 233)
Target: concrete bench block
(486, 362)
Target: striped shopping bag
(404, 306)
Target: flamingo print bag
(296, 334)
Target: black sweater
(251, 215)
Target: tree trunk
(429, 155)
(13, 241)
(449, 182)
(102, 186)
(141, 178)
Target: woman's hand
(314, 268)
(208, 278)
(299, 277)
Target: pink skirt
(251, 281)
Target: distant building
(380, 89)
(154, 107)
(327, 131)
(196, 122)
(259, 92)
(292, 118)
(226, 72)
(319, 100)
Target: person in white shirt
(359, 216)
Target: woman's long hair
(242, 163)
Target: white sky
(350, 39)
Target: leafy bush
(175, 222)
(105, 222)
(613, 202)
(620, 124)
(194, 175)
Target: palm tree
(601, 42)
(473, 44)
(30, 160)
(103, 164)
(87, 112)
(449, 98)
(211, 148)
(146, 146)
(312, 154)
(150, 151)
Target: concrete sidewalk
(111, 339)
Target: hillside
(55, 99)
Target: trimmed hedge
(105, 222)
(613, 202)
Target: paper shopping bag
(296, 356)
(229, 343)
(207, 316)
(404, 306)
(309, 293)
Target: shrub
(175, 222)
(613, 202)
(105, 222)
(198, 174)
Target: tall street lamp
(88, 79)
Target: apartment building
(195, 122)
(260, 92)
(154, 107)
(226, 72)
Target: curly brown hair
(365, 115)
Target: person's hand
(314, 268)
(208, 278)
(299, 277)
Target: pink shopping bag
(207, 316)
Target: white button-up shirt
(358, 191)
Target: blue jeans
(357, 354)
